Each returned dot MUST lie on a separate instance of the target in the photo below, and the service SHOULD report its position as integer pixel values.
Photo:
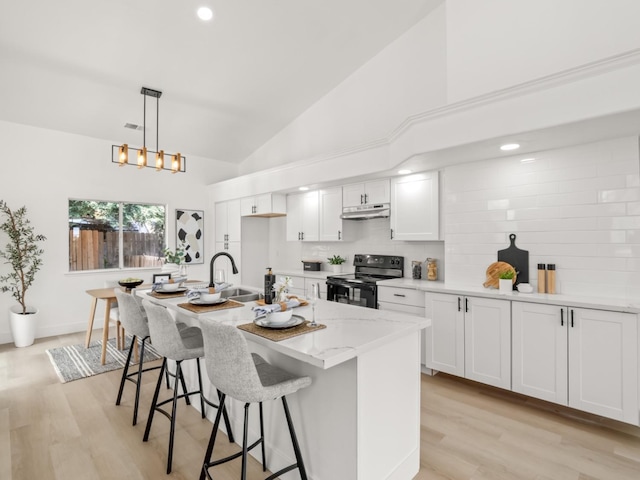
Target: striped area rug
(76, 362)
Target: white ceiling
(228, 85)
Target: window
(112, 235)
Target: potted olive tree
(24, 257)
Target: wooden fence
(96, 250)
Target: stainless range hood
(366, 212)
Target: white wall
(577, 207)
(42, 169)
(405, 78)
(494, 44)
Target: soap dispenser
(269, 281)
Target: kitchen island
(360, 418)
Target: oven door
(353, 293)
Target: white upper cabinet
(330, 205)
(266, 205)
(368, 193)
(415, 207)
(227, 221)
(303, 217)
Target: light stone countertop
(351, 330)
(627, 305)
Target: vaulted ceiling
(228, 85)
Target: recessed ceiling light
(404, 171)
(303, 189)
(205, 13)
(509, 146)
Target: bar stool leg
(264, 457)
(124, 374)
(173, 415)
(294, 440)
(154, 401)
(244, 442)
(200, 387)
(212, 438)
(134, 341)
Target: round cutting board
(495, 270)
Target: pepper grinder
(542, 278)
(551, 278)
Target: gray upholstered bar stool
(134, 321)
(248, 378)
(178, 345)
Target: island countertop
(351, 330)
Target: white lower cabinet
(469, 337)
(584, 358)
(404, 300)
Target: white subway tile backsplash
(577, 207)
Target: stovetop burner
(372, 269)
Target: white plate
(180, 290)
(197, 301)
(294, 321)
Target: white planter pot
(506, 285)
(23, 327)
(336, 268)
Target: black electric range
(360, 288)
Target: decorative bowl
(130, 283)
(276, 318)
(170, 287)
(209, 297)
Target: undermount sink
(240, 295)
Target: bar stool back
(248, 378)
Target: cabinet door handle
(399, 295)
(466, 304)
(562, 317)
(572, 318)
(459, 306)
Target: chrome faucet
(233, 266)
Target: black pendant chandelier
(120, 153)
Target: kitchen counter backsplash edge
(627, 305)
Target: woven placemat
(167, 295)
(281, 334)
(210, 308)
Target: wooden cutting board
(494, 271)
(517, 258)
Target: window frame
(120, 204)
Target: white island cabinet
(360, 418)
(584, 358)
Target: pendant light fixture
(120, 153)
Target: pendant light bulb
(142, 157)
(175, 163)
(123, 155)
(159, 160)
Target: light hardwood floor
(50, 430)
